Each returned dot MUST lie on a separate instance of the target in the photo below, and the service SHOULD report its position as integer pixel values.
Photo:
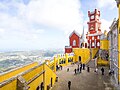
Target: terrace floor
(83, 81)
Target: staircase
(92, 63)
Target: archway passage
(42, 87)
(79, 58)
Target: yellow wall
(102, 62)
(37, 82)
(49, 74)
(33, 73)
(8, 75)
(104, 44)
(28, 75)
(11, 86)
(84, 53)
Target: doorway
(79, 58)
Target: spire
(83, 35)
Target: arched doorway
(79, 58)
(42, 86)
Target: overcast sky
(43, 24)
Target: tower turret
(94, 29)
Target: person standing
(67, 69)
(80, 69)
(69, 84)
(102, 70)
(96, 70)
(88, 68)
(75, 71)
(83, 66)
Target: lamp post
(118, 5)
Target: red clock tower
(94, 30)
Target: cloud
(105, 24)
(106, 3)
(24, 22)
(62, 14)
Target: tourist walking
(88, 68)
(78, 65)
(61, 67)
(69, 85)
(80, 69)
(67, 69)
(83, 66)
(102, 70)
(75, 71)
(96, 70)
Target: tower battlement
(95, 12)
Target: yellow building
(81, 54)
(104, 44)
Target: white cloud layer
(18, 19)
(105, 25)
(106, 3)
(62, 14)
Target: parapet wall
(7, 75)
(40, 76)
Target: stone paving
(83, 81)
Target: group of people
(102, 70)
(79, 68)
(82, 67)
(58, 67)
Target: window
(98, 37)
(74, 42)
(92, 17)
(92, 38)
(98, 44)
(93, 44)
